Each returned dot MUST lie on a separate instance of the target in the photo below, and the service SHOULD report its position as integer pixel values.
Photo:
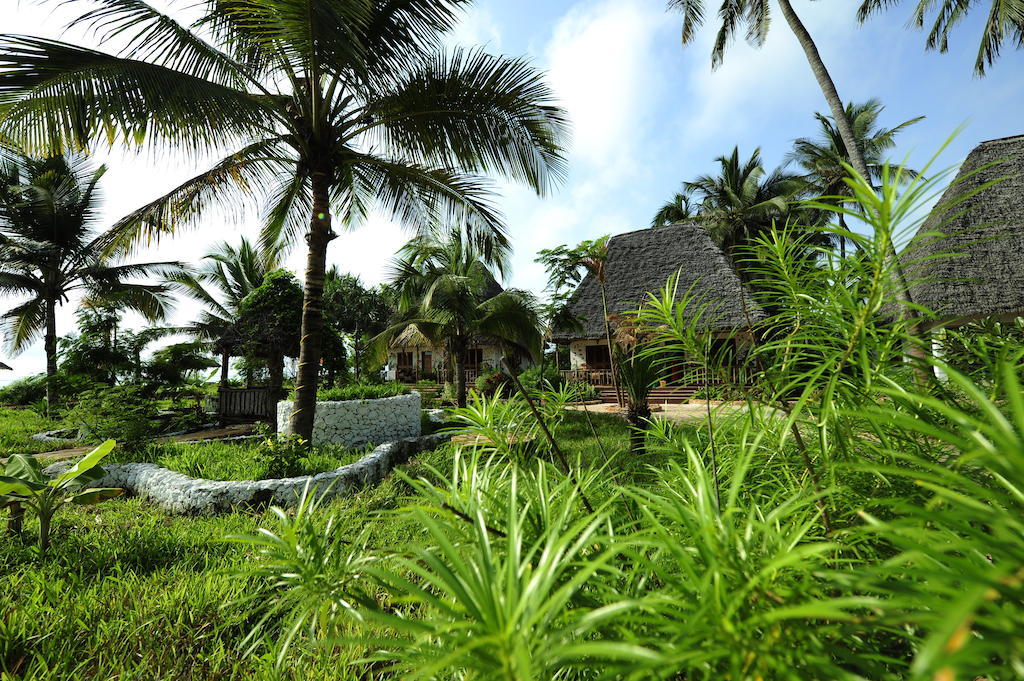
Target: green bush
(490, 382)
(32, 389)
(125, 413)
(531, 378)
(362, 391)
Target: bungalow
(412, 357)
(641, 262)
(964, 264)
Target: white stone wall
(353, 423)
(179, 493)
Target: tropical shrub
(490, 382)
(126, 413)
(24, 483)
(362, 391)
(533, 378)
(850, 522)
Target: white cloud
(477, 29)
(600, 61)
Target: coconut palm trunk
(310, 350)
(842, 121)
(460, 346)
(828, 86)
(50, 348)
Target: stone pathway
(212, 434)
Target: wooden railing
(687, 375)
(246, 402)
(595, 377)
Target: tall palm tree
(447, 292)
(824, 158)
(228, 274)
(1005, 22)
(329, 108)
(565, 267)
(742, 201)
(50, 251)
(678, 208)
(755, 17)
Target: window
(405, 360)
(474, 358)
(597, 357)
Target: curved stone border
(178, 493)
(353, 423)
(51, 436)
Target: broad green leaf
(88, 462)
(95, 496)
(20, 488)
(24, 468)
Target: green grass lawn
(17, 427)
(236, 460)
(132, 592)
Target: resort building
(640, 263)
(411, 358)
(964, 263)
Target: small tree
(565, 267)
(268, 324)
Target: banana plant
(23, 484)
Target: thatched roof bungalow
(965, 263)
(640, 263)
(413, 357)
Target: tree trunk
(835, 104)
(310, 350)
(460, 376)
(355, 352)
(225, 367)
(611, 353)
(828, 87)
(50, 348)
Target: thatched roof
(4, 367)
(641, 262)
(410, 337)
(986, 231)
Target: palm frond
(62, 96)
(491, 114)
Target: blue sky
(647, 114)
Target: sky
(647, 114)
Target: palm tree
(330, 108)
(50, 251)
(755, 17)
(565, 266)
(1005, 22)
(356, 310)
(742, 201)
(228, 274)
(678, 209)
(824, 158)
(448, 292)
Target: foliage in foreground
(23, 485)
(860, 519)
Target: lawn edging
(178, 493)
